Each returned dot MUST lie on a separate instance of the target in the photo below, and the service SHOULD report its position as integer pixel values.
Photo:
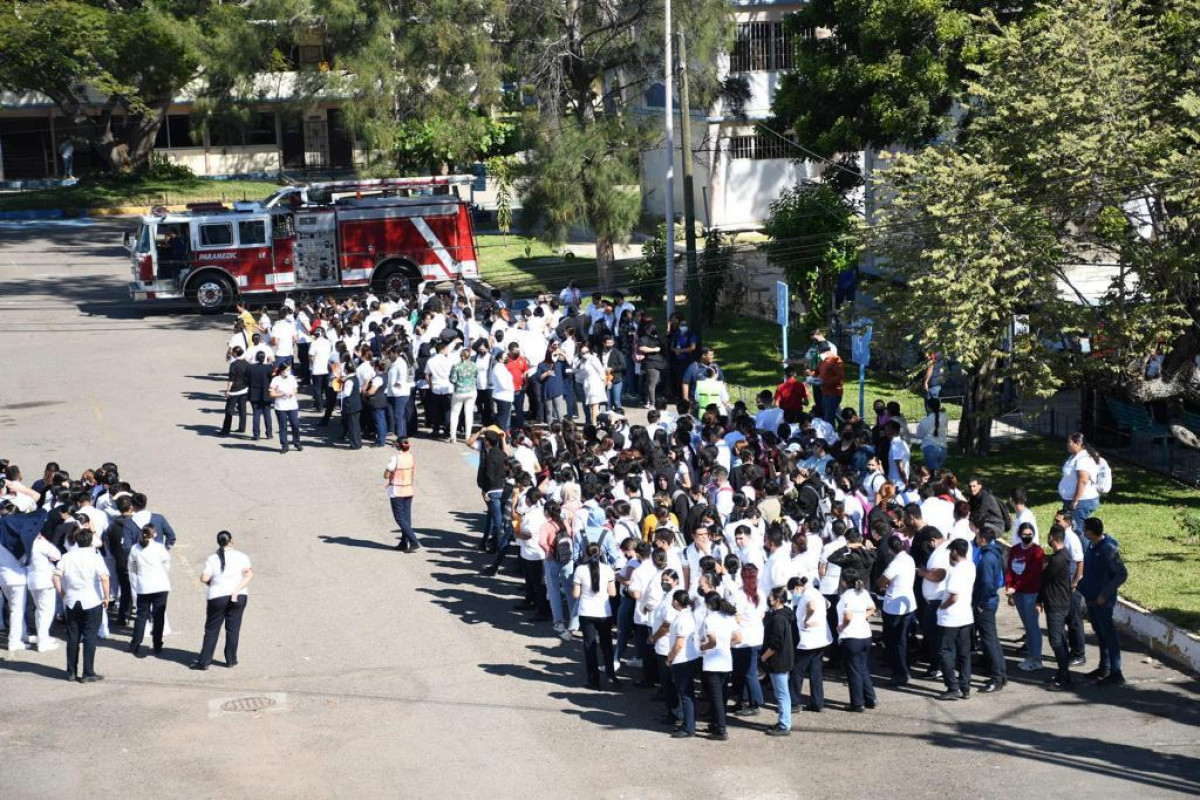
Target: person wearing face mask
(1022, 582)
(595, 390)
(660, 625)
(593, 586)
(284, 391)
(778, 655)
(401, 477)
(684, 661)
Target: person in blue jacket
(1103, 574)
(989, 579)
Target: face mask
(666, 587)
(1026, 540)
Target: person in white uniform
(149, 575)
(39, 576)
(82, 581)
(12, 583)
(227, 573)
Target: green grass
(1141, 513)
(91, 193)
(526, 266)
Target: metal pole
(695, 304)
(669, 147)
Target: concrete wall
(226, 160)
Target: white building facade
(739, 164)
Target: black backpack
(564, 548)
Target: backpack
(564, 550)
(1103, 477)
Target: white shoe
(559, 627)
(12, 648)
(616, 665)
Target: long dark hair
(148, 532)
(223, 540)
(593, 558)
(935, 407)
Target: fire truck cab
(385, 234)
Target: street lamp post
(669, 146)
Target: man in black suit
(236, 392)
(260, 394)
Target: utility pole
(695, 303)
(669, 147)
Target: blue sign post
(782, 313)
(860, 351)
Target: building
(282, 133)
(740, 165)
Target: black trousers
(320, 385)
(150, 606)
(597, 646)
(1076, 637)
(956, 653)
(808, 665)
(1056, 626)
(265, 412)
(535, 592)
(83, 625)
(989, 637)
(235, 403)
(126, 601)
(353, 428)
(439, 413)
(714, 689)
(222, 612)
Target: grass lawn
(135, 192)
(1140, 513)
(526, 266)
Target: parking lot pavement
(368, 672)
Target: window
(261, 128)
(762, 146)
(252, 232)
(761, 47)
(176, 131)
(310, 55)
(216, 235)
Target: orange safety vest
(402, 475)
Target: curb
(31, 214)
(1164, 639)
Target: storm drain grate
(247, 704)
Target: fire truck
(387, 234)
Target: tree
(416, 78)
(815, 234)
(135, 56)
(966, 258)
(871, 73)
(586, 64)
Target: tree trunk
(141, 140)
(605, 262)
(979, 409)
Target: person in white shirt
(932, 433)
(12, 584)
(149, 576)
(812, 622)
(227, 573)
(594, 585)
(746, 550)
(437, 371)
(899, 605)
(503, 391)
(751, 605)
(933, 577)
(284, 391)
(770, 416)
(39, 576)
(899, 466)
(778, 569)
(283, 337)
(1077, 487)
(82, 582)
(320, 350)
(700, 547)
(1021, 514)
(660, 641)
(854, 612)
(683, 658)
(719, 634)
(954, 618)
(937, 511)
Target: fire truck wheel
(211, 294)
(394, 278)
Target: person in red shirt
(517, 366)
(832, 374)
(1022, 581)
(791, 396)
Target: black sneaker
(682, 734)
(1077, 661)
(992, 686)
(777, 731)
(1114, 678)
(950, 694)
(720, 735)
(1097, 674)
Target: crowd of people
(729, 546)
(89, 553)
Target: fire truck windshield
(143, 239)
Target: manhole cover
(247, 704)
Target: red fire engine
(386, 234)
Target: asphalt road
(409, 674)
